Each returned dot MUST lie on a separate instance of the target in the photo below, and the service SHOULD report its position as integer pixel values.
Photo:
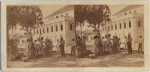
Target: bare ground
(121, 59)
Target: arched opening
(43, 30)
(40, 31)
(56, 16)
(116, 26)
(129, 24)
(61, 27)
(56, 28)
(37, 31)
(52, 28)
(124, 24)
(47, 30)
(70, 26)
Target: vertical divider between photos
(75, 31)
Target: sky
(49, 9)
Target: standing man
(109, 42)
(57, 45)
(42, 45)
(51, 47)
(140, 44)
(126, 40)
(96, 47)
(79, 51)
(62, 44)
(73, 47)
(129, 44)
(84, 45)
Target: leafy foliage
(25, 16)
(12, 16)
(80, 14)
(95, 15)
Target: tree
(25, 16)
(12, 16)
(12, 12)
(80, 16)
(95, 15)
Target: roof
(129, 7)
(62, 10)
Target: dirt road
(115, 60)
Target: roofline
(58, 10)
(122, 9)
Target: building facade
(129, 20)
(58, 24)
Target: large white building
(129, 20)
(60, 23)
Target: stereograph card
(108, 35)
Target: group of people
(41, 47)
(111, 45)
(60, 47)
(100, 46)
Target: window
(129, 24)
(134, 11)
(56, 16)
(112, 27)
(139, 23)
(124, 25)
(61, 27)
(52, 29)
(70, 26)
(40, 31)
(129, 12)
(120, 25)
(108, 28)
(125, 13)
(37, 31)
(115, 26)
(61, 15)
(56, 28)
(43, 30)
(47, 30)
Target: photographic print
(70, 35)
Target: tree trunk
(75, 34)
(81, 30)
(12, 33)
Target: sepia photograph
(75, 36)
